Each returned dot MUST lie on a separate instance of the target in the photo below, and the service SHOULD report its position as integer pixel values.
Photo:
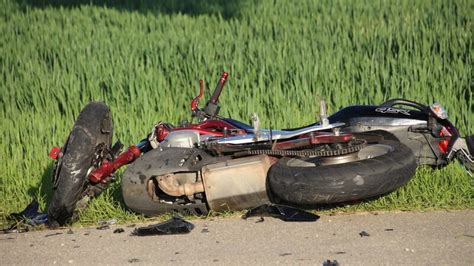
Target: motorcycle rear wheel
(88, 142)
(378, 169)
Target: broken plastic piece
(118, 231)
(173, 226)
(103, 227)
(285, 213)
(331, 263)
(30, 215)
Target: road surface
(430, 238)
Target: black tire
(343, 182)
(89, 140)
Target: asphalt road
(431, 238)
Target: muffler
(236, 184)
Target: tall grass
(281, 55)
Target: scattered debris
(174, 225)
(30, 215)
(340, 252)
(284, 254)
(389, 229)
(410, 250)
(53, 234)
(331, 263)
(261, 220)
(364, 233)
(118, 231)
(22, 221)
(108, 222)
(103, 227)
(133, 260)
(86, 233)
(15, 228)
(105, 224)
(285, 213)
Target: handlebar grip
(220, 85)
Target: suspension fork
(107, 168)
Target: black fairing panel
(371, 113)
(409, 126)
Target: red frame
(211, 126)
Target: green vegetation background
(144, 59)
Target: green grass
(144, 59)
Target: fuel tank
(377, 117)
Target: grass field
(144, 59)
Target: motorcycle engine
(181, 139)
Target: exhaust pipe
(170, 185)
(234, 184)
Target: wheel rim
(371, 151)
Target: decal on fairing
(391, 110)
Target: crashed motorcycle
(220, 164)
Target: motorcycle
(220, 164)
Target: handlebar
(212, 107)
(220, 85)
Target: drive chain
(353, 146)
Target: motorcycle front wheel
(85, 148)
(379, 168)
